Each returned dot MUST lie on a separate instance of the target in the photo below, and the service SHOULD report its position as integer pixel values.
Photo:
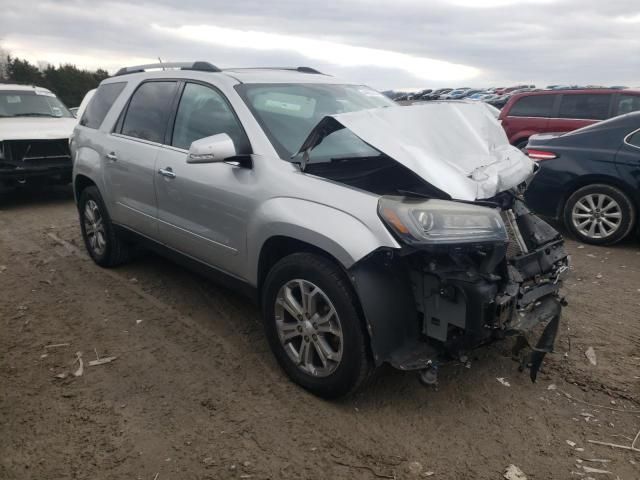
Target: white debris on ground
(80, 370)
(570, 443)
(590, 353)
(514, 473)
(503, 381)
(101, 361)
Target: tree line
(68, 82)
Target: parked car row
(495, 94)
(526, 110)
(527, 114)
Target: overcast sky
(404, 44)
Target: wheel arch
(521, 136)
(80, 182)
(381, 287)
(586, 180)
(278, 247)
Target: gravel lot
(195, 393)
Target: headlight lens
(441, 221)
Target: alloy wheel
(309, 328)
(596, 216)
(94, 228)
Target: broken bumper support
(530, 349)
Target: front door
(203, 209)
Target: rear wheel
(101, 240)
(599, 214)
(313, 326)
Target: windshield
(21, 103)
(288, 112)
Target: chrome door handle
(167, 172)
(112, 156)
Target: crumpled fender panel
(384, 289)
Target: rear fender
(87, 162)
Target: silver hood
(457, 147)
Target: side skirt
(210, 272)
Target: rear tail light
(540, 155)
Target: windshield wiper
(33, 114)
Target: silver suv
(368, 232)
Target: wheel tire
(625, 208)
(354, 366)
(114, 251)
(522, 144)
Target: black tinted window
(148, 111)
(534, 106)
(627, 103)
(585, 105)
(634, 139)
(100, 104)
(204, 112)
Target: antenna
(161, 64)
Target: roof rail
(198, 66)
(308, 70)
(292, 69)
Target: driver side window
(204, 112)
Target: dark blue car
(590, 179)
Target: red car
(526, 114)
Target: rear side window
(634, 139)
(100, 104)
(148, 112)
(584, 105)
(627, 104)
(534, 106)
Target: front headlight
(437, 222)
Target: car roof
(25, 88)
(234, 75)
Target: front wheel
(599, 214)
(313, 325)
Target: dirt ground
(195, 393)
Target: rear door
(527, 116)
(131, 152)
(577, 110)
(203, 209)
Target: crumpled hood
(36, 128)
(457, 147)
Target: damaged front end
(487, 270)
(21, 160)
(474, 264)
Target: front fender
(339, 233)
